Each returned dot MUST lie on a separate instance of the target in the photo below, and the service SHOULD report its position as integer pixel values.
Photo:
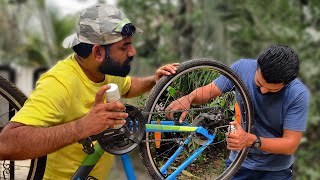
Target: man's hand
(166, 70)
(102, 115)
(238, 139)
(183, 103)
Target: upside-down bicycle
(194, 149)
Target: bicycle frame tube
(91, 160)
(88, 163)
(126, 163)
(165, 126)
(169, 127)
(187, 162)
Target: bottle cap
(113, 93)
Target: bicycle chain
(166, 140)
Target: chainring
(130, 134)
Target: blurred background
(31, 33)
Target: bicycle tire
(163, 84)
(16, 99)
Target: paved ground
(117, 172)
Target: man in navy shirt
(280, 103)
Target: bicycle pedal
(88, 150)
(87, 145)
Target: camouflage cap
(99, 24)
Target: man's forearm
(278, 146)
(204, 94)
(283, 145)
(140, 86)
(41, 141)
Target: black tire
(13, 98)
(147, 149)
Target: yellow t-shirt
(64, 94)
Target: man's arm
(19, 141)
(140, 86)
(287, 144)
(200, 95)
(204, 94)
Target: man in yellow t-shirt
(68, 103)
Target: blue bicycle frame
(164, 126)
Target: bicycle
(194, 149)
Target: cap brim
(70, 41)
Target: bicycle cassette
(208, 121)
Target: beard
(112, 67)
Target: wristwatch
(256, 143)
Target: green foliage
(62, 27)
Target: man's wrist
(257, 142)
(78, 129)
(251, 139)
(190, 97)
(155, 79)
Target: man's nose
(132, 51)
(263, 90)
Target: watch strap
(257, 142)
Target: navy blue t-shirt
(286, 109)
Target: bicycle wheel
(11, 100)
(210, 164)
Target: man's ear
(99, 53)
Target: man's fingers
(118, 121)
(175, 64)
(115, 106)
(100, 94)
(183, 116)
(170, 68)
(164, 72)
(116, 115)
(167, 114)
(231, 143)
(235, 123)
(115, 122)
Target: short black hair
(278, 64)
(83, 49)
